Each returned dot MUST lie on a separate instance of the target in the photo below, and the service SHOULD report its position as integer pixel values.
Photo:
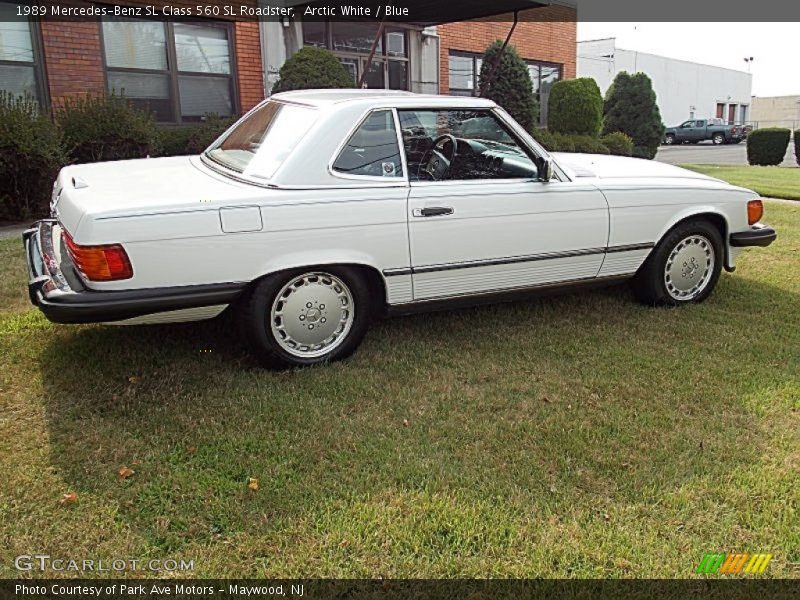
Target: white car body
(188, 223)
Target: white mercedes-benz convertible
(321, 209)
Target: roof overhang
(432, 12)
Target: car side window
(687, 124)
(462, 145)
(700, 123)
(372, 150)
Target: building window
(20, 59)
(180, 72)
(465, 71)
(351, 42)
(543, 76)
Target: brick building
(180, 71)
(183, 70)
(545, 38)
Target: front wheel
(669, 139)
(684, 267)
(303, 318)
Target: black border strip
(421, 13)
(514, 259)
(402, 589)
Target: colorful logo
(733, 564)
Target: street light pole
(749, 61)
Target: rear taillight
(108, 262)
(755, 210)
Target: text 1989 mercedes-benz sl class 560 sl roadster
(319, 209)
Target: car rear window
(258, 145)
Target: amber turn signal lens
(755, 210)
(100, 263)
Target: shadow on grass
(561, 405)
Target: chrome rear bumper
(55, 287)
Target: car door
(684, 132)
(479, 218)
(698, 131)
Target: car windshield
(258, 145)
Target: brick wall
(74, 63)
(547, 34)
(248, 62)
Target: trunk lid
(140, 186)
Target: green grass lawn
(771, 182)
(573, 436)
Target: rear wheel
(684, 267)
(718, 139)
(307, 317)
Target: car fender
(698, 211)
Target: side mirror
(545, 169)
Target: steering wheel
(435, 163)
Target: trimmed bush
(193, 139)
(575, 106)
(797, 145)
(174, 141)
(618, 143)
(313, 68)
(564, 142)
(544, 137)
(31, 155)
(631, 107)
(98, 128)
(587, 144)
(511, 86)
(767, 146)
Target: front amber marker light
(755, 210)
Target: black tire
(718, 139)
(649, 283)
(255, 326)
(669, 140)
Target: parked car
(319, 210)
(695, 131)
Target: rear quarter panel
(366, 226)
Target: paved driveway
(12, 231)
(709, 154)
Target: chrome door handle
(433, 211)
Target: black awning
(418, 12)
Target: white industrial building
(684, 90)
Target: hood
(604, 166)
(136, 186)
